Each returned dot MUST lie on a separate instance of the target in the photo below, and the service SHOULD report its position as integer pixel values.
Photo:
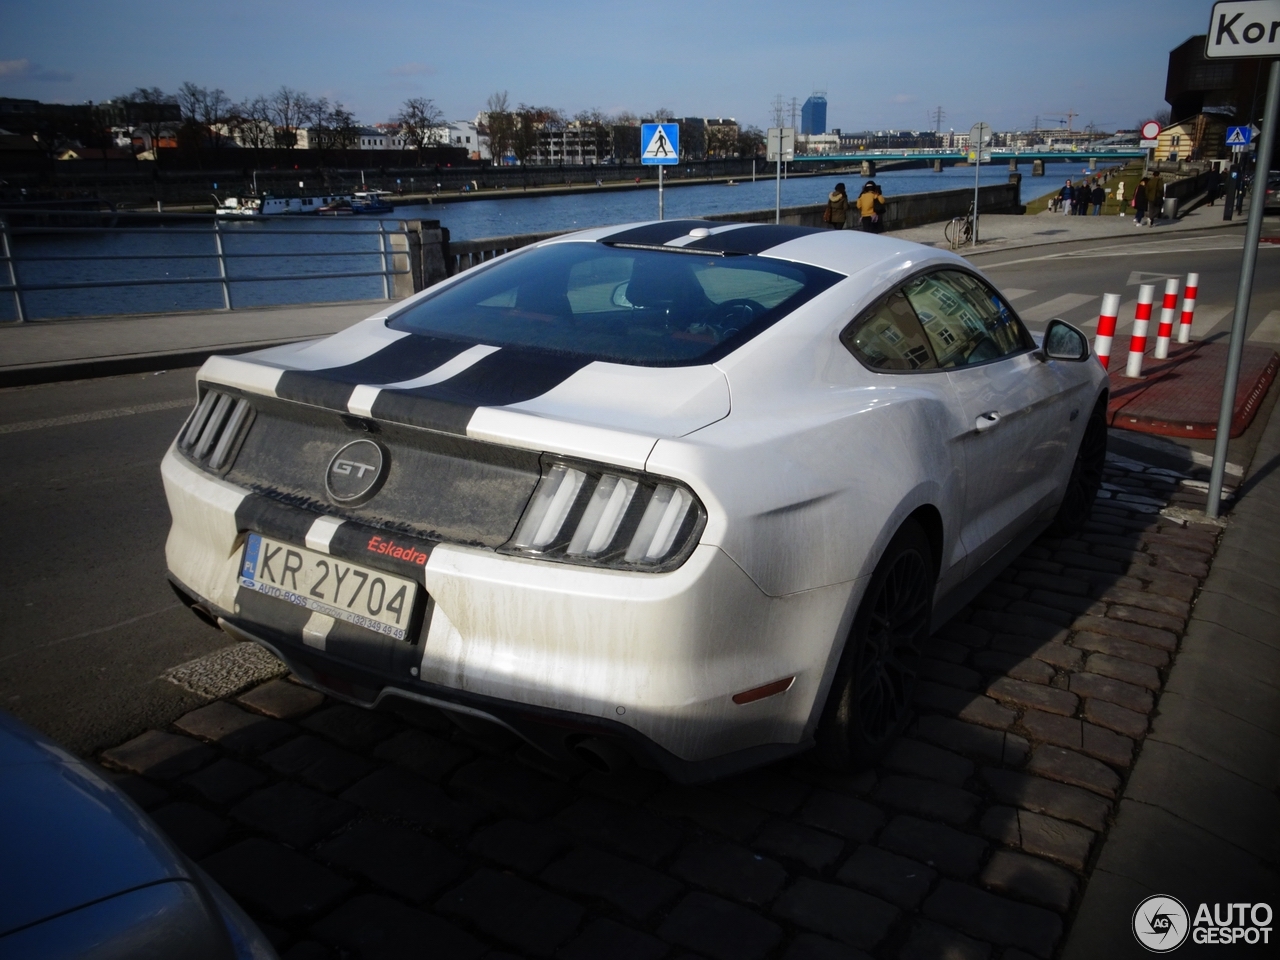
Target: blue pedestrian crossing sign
(660, 143)
(1239, 136)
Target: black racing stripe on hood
(511, 375)
(405, 359)
(756, 238)
(657, 233)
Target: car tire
(1086, 476)
(870, 700)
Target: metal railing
(392, 244)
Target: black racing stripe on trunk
(254, 609)
(314, 388)
(271, 519)
(657, 233)
(756, 238)
(507, 376)
(405, 359)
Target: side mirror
(1062, 341)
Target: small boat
(371, 201)
(239, 207)
(339, 208)
(268, 206)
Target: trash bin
(1170, 209)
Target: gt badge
(356, 472)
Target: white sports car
(685, 492)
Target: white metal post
(661, 204)
(382, 257)
(777, 196)
(222, 264)
(6, 249)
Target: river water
(184, 250)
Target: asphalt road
(87, 621)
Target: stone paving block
(1122, 694)
(294, 814)
(509, 787)
(810, 946)
(352, 727)
(1067, 766)
(928, 798)
(1030, 608)
(951, 674)
(1068, 602)
(710, 810)
(1054, 653)
(1064, 731)
(963, 704)
(426, 755)
(858, 783)
(897, 879)
(194, 830)
(931, 941)
(1044, 796)
(1016, 750)
(1149, 601)
(849, 916)
(1106, 745)
(398, 793)
(946, 650)
(967, 634)
(1031, 879)
(998, 920)
(605, 939)
(730, 871)
(1149, 618)
(1169, 584)
(1116, 718)
(1109, 626)
(631, 831)
(1139, 674)
(275, 880)
(1033, 695)
(999, 663)
(229, 726)
(842, 815)
(281, 699)
(921, 760)
(629, 785)
(1116, 647)
(790, 841)
(514, 911)
(520, 846)
(225, 780)
(159, 755)
(400, 861)
(719, 929)
(377, 926)
(1087, 561)
(1020, 626)
(138, 789)
(768, 789)
(304, 950)
(1007, 589)
(634, 889)
(962, 737)
(317, 763)
(1184, 562)
(953, 853)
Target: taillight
(587, 514)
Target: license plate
(345, 591)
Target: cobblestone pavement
(348, 833)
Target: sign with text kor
(1244, 28)
(661, 143)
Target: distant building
(1196, 138)
(1195, 84)
(818, 144)
(813, 115)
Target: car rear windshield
(626, 305)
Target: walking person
(837, 211)
(1066, 195)
(1155, 197)
(1140, 202)
(1099, 197)
(870, 207)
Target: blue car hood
(67, 838)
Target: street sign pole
(980, 132)
(1240, 321)
(777, 193)
(780, 145)
(661, 205)
(660, 146)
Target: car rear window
(622, 304)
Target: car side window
(888, 337)
(966, 321)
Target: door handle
(987, 420)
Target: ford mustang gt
(683, 492)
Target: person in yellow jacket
(837, 211)
(870, 206)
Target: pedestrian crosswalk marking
(1268, 331)
(1143, 276)
(1055, 307)
(1014, 293)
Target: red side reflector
(768, 690)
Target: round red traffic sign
(1151, 130)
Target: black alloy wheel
(1086, 475)
(870, 700)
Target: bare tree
(251, 124)
(750, 141)
(287, 109)
(207, 110)
(500, 126)
(345, 130)
(530, 122)
(663, 114)
(419, 121)
(151, 110)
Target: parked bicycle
(959, 230)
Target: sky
(883, 66)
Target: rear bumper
(553, 651)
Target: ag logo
(1161, 923)
(355, 473)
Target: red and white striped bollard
(1106, 328)
(1188, 307)
(1168, 310)
(1141, 320)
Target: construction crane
(1063, 118)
